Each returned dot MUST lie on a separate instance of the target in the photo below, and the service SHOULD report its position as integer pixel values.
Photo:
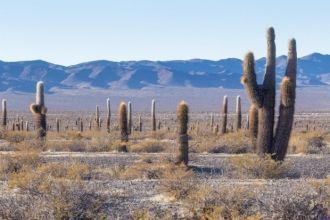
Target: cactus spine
(153, 115)
(224, 115)
(4, 113)
(182, 128)
(108, 114)
(39, 110)
(129, 116)
(263, 97)
(123, 124)
(238, 117)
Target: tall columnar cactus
(57, 125)
(123, 123)
(140, 123)
(4, 113)
(27, 126)
(182, 128)
(263, 97)
(212, 122)
(81, 126)
(129, 116)
(97, 117)
(108, 114)
(224, 115)
(153, 115)
(39, 110)
(253, 124)
(238, 116)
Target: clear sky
(73, 31)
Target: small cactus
(129, 117)
(140, 123)
(4, 113)
(123, 125)
(238, 117)
(81, 125)
(108, 114)
(57, 125)
(153, 115)
(182, 128)
(39, 110)
(97, 117)
(224, 115)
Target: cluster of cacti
(263, 97)
(39, 110)
(182, 128)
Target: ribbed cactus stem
(212, 121)
(57, 125)
(97, 117)
(123, 122)
(182, 128)
(286, 109)
(81, 125)
(27, 126)
(40, 94)
(153, 115)
(4, 113)
(253, 124)
(249, 80)
(238, 116)
(108, 114)
(39, 110)
(129, 116)
(140, 123)
(224, 115)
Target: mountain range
(313, 70)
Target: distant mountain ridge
(313, 70)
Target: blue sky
(73, 31)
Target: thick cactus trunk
(97, 118)
(182, 128)
(224, 115)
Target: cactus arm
(286, 111)
(249, 80)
